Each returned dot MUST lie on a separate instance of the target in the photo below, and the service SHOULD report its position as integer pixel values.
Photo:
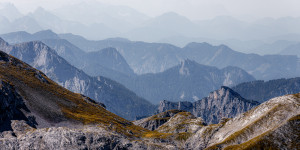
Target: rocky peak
(188, 65)
(220, 103)
(223, 92)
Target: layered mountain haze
(147, 75)
(105, 62)
(156, 57)
(114, 95)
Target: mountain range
(37, 113)
(101, 21)
(115, 96)
(145, 57)
(109, 62)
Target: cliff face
(222, 103)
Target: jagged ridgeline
(221, 103)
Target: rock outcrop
(222, 103)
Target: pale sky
(193, 9)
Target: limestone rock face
(222, 103)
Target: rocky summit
(222, 103)
(37, 113)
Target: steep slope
(187, 81)
(262, 91)
(116, 97)
(272, 125)
(222, 103)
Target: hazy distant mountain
(188, 81)
(165, 25)
(24, 23)
(118, 18)
(244, 46)
(116, 97)
(95, 20)
(292, 50)
(156, 57)
(264, 90)
(141, 56)
(48, 20)
(221, 103)
(261, 67)
(107, 62)
(108, 58)
(272, 48)
(9, 11)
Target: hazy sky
(193, 9)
